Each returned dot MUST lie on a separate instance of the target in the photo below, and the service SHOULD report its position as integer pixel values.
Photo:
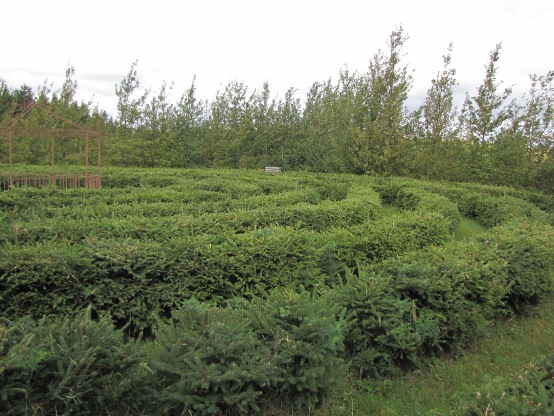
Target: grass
(468, 228)
(441, 387)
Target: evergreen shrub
(491, 210)
(464, 284)
(411, 198)
(528, 249)
(232, 360)
(380, 332)
(377, 240)
(530, 392)
(57, 366)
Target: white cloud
(287, 43)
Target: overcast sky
(289, 43)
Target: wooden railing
(62, 181)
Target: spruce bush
(233, 360)
(380, 333)
(73, 366)
(530, 392)
(528, 249)
(304, 337)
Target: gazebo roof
(17, 130)
(71, 130)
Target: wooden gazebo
(90, 178)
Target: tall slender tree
(534, 127)
(483, 117)
(287, 131)
(157, 137)
(6, 100)
(228, 125)
(484, 114)
(130, 108)
(380, 145)
(260, 147)
(190, 118)
(537, 118)
(433, 124)
(125, 149)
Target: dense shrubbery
(424, 303)
(215, 360)
(530, 393)
(528, 249)
(492, 207)
(69, 366)
(417, 199)
(138, 280)
(249, 291)
(207, 360)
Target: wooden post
(10, 145)
(53, 174)
(86, 160)
(99, 182)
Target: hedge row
(206, 361)
(424, 303)
(289, 347)
(139, 280)
(211, 194)
(29, 203)
(318, 217)
(491, 208)
(409, 198)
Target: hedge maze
(221, 292)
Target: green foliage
(305, 339)
(380, 328)
(356, 123)
(419, 199)
(530, 393)
(492, 211)
(492, 206)
(64, 367)
(373, 242)
(379, 146)
(464, 283)
(209, 361)
(228, 360)
(421, 304)
(297, 277)
(528, 248)
(434, 127)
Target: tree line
(357, 123)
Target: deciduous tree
(380, 145)
(434, 123)
(483, 117)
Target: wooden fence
(62, 181)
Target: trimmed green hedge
(139, 225)
(418, 199)
(206, 360)
(249, 290)
(427, 302)
(137, 281)
(73, 366)
(230, 360)
(528, 249)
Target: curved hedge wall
(224, 292)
